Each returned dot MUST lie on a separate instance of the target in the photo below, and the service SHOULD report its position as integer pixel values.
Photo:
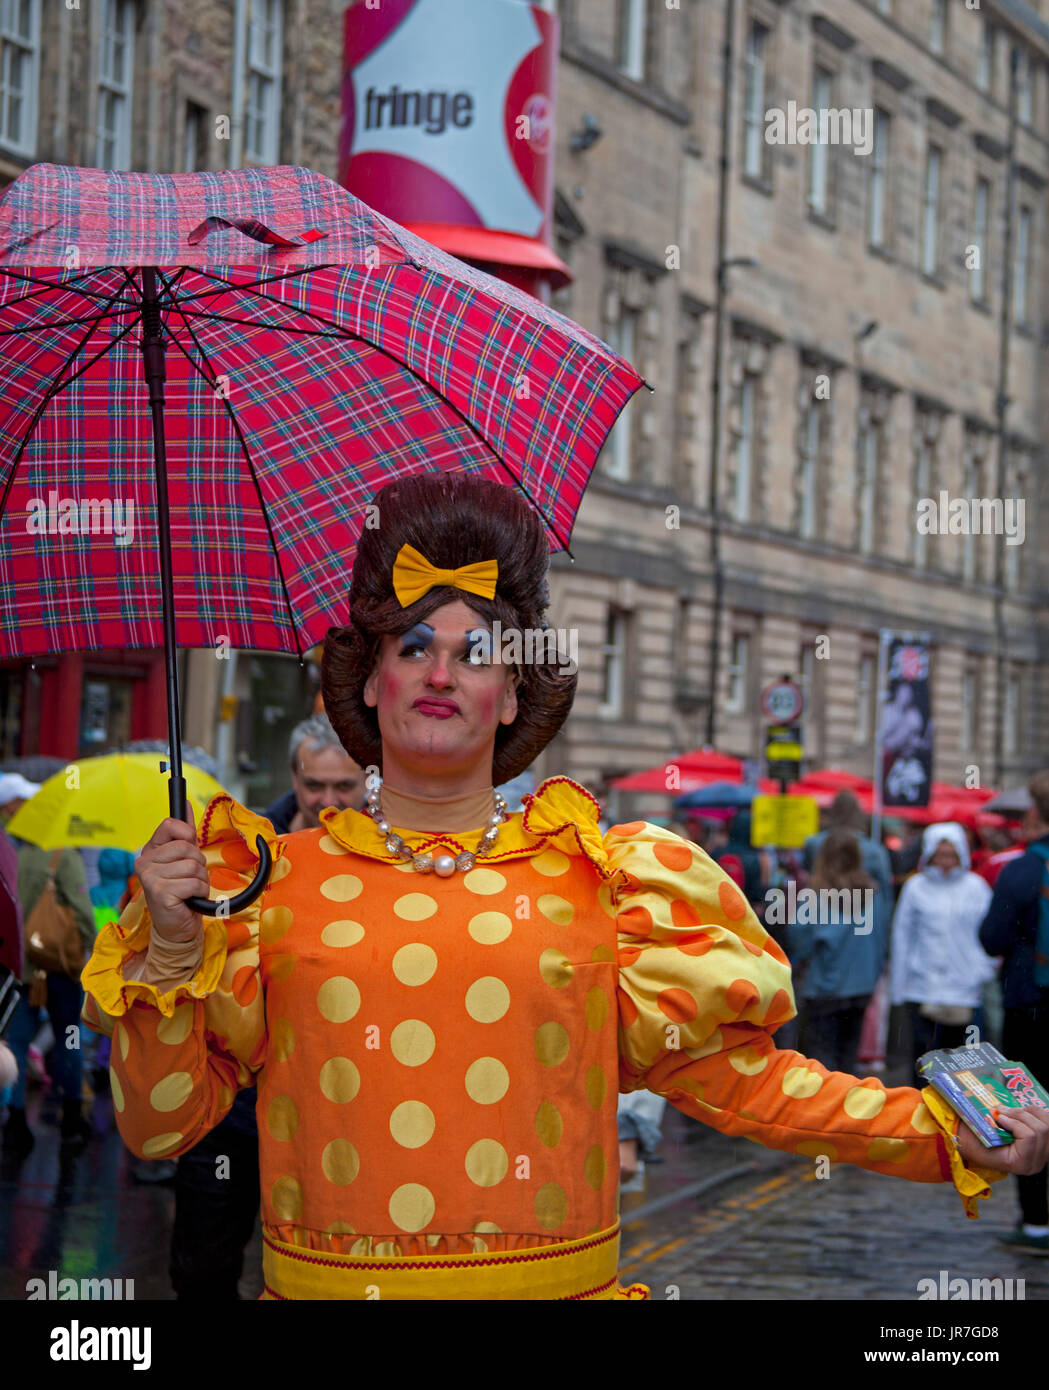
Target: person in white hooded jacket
(938, 967)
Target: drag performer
(440, 1001)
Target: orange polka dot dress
(438, 1059)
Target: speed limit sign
(782, 702)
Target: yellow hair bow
(413, 576)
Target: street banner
(905, 729)
(448, 112)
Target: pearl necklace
(444, 865)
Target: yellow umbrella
(114, 801)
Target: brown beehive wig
(453, 519)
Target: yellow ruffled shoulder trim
(226, 834)
(560, 814)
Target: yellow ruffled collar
(559, 814)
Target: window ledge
(935, 280)
(982, 305)
(641, 90)
(882, 252)
(759, 183)
(822, 219)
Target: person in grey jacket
(837, 946)
(844, 813)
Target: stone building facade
(864, 288)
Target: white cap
(14, 787)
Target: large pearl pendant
(444, 866)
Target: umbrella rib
(224, 285)
(344, 333)
(247, 458)
(55, 389)
(256, 323)
(65, 323)
(53, 285)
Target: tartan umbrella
(205, 377)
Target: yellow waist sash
(573, 1269)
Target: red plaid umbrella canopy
(313, 349)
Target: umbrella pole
(153, 351)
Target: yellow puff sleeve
(179, 1055)
(702, 988)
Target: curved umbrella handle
(225, 907)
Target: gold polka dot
(594, 1167)
(225, 1097)
(340, 1080)
(748, 1061)
(557, 910)
(329, 846)
(286, 1199)
(283, 1039)
(489, 928)
(800, 1083)
(412, 1042)
(922, 1120)
(116, 1090)
(412, 1124)
(596, 1086)
(863, 1102)
(282, 1118)
(551, 1044)
(341, 888)
(551, 1206)
(124, 1042)
(274, 923)
(338, 999)
(487, 1080)
(480, 1247)
(602, 953)
(414, 907)
(888, 1150)
(280, 967)
(172, 1092)
(488, 1228)
(173, 1030)
(414, 964)
(549, 1125)
(281, 869)
(412, 1206)
(551, 863)
(596, 1009)
(487, 1162)
(604, 901)
(160, 1144)
(555, 967)
(818, 1148)
(340, 1162)
(343, 933)
(487, 999)
(340, 1228)
(484, 881)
